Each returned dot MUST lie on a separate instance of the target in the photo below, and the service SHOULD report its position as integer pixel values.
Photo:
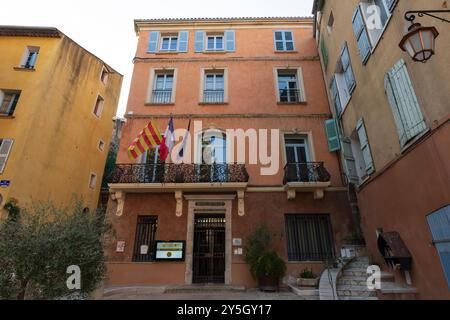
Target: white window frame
(284, 41)
(99, 112)
(154, 72)
(12, 93)
(105, 72)
(29, 50)
(215, 36)
(374, 34)
(7, 154)
(171, 38)
(213, 70)
(92, 180)
(300, 83)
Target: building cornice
(141, 24)
(230, 115)
(24, 31)
(227, 59)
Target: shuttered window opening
(222, 41)
(144, 244)
(404, 104)
(361, 35)
(5, 149)
(439, 223)
(177, 42)
(351, 172)
(309, 237)
(365, 147)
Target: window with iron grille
(309, 237)
(144, 244)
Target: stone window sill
(159, 104)
(4, 116)
(24, 69)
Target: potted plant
(308, 278)
(266, 266)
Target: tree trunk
(23, 290)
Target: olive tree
(39, 244)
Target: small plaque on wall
(170, 250)
(120, 246)
(237, 242)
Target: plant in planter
(308, 278)
(265, 264)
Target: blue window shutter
(230, 39)
(153, 41)
(391, 4)
(348, 71)
(332, 132)
(404, 104)
(361, 35)
(365, 148)
(33, 59)
(183, 41)
(439, 223)
(349, 162)
(336, 97)
(199, 41)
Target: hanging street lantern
(420, 41)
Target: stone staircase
(352, 285)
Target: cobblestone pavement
(251, 294)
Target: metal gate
(209, 249)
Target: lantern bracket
(411, 15)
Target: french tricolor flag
(168, 141)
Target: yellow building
(57, 101)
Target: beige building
(393, 115)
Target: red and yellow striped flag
(149, 138)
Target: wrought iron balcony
(213, 96)
(178, 173)
(306, 172)
(290, 95)
(162, 96)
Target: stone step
(396, 288)
(357, 298)
(355, 293)
(204, 288)
(362, 280)
(359, 272)
(132, 290)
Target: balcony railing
(306, 172)
(213, 96)
(162, 96)
(178, 173)
(290, 95)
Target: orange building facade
(250, 74)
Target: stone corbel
(179, 200)
(241, 203)
(120, 198)
(318, 194)
(291, 194)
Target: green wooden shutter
(199, 41)
(365, 147)
(348, 71)
(230, 40)
(324, 52)
(336, 96)
(153, 41)
(5, 149)
(405, 107)
(183, 38)
(361, 35)
(349, 162)
(332, 132)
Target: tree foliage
(37, 245)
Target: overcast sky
(105, 27)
